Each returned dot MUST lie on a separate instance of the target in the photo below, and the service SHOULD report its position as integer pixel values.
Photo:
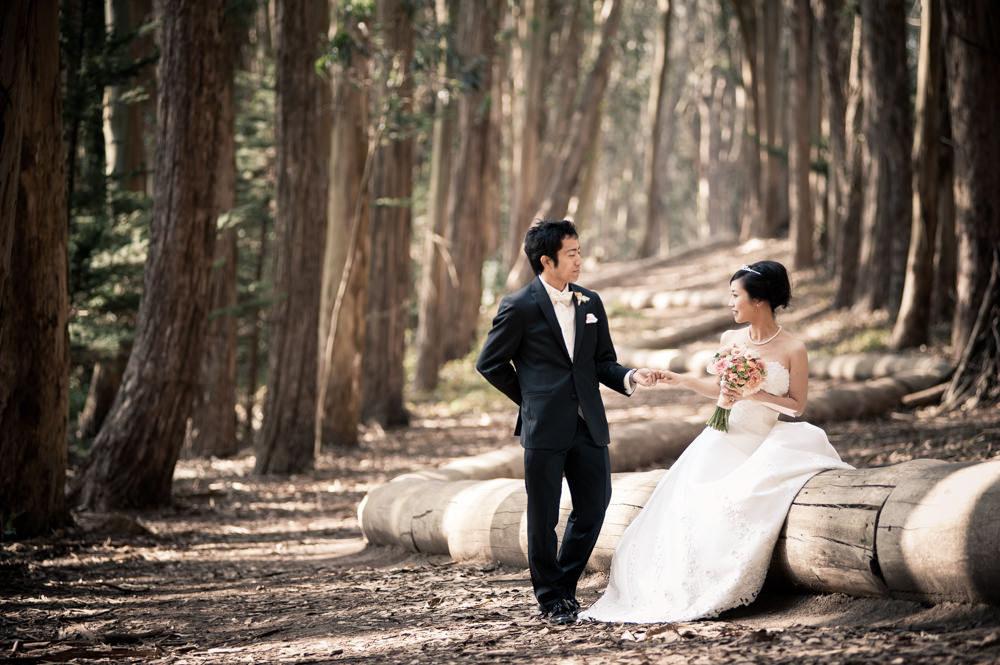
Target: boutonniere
(580, 298)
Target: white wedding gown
(703, 542)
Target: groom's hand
(645, 377)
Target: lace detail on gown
(703, 542)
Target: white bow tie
(562, 298)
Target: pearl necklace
(762, 343)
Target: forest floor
(247, 569)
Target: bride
(703, 542)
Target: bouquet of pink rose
(740, 370)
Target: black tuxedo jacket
(525, 358)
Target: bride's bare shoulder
(792, 344)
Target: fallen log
(633, 446)
(609, 276)
(919, 530)
(684, 331)
(867, 399)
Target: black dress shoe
(562, 613)
(574, 604)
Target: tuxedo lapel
(580, 322)
(545, 304)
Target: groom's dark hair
(544, 238)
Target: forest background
(269, 225)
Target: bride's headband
(749, 269)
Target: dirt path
(251, 570)
(244, 569)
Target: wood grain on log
(939, 534)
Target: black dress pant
(554, 575)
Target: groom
(548, 349)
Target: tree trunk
(803, 222)
(345, 266)
(437, 260)
(888, 144)
(132, 461)
(254, 322)
(126, 126)
(563, 69)
(34, 346)
(851, 179)
(212, 426)
(475, 32)
(746, 15)
(775, 169)
(391, 227)
(526, 183)
(832, 30)
(105, 380)
(913, 324)
(653, 238)
(973, 88)
(566, 177)
(943, 299)
(14, 84)
(287, 436)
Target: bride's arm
(798, 387)
(706, 386)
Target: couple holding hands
(703, 542)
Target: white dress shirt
(566, 316)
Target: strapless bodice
(749, 417)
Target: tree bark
(803, 223)
(345, 266)
(566, 177)
(287, 436)
(255, 324)
(746, 15)
(775, 168)
(912, 326)
(888, 144)
(391, 227)
(525, 195)
(653, 239)
(132, 461)
(851, 179)
(832, 30)
(945, 254)
(212, 426)
(34, 346)
(105, 380)
(438, 263)
(14, 83)
(475, 41)
(131, 101)
(973, 88)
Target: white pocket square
(590, 318)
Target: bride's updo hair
(767, 281)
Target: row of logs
(921, 530)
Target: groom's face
(570, 261)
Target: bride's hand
(731, 396)
(672, 379)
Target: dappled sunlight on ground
(249, 569)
